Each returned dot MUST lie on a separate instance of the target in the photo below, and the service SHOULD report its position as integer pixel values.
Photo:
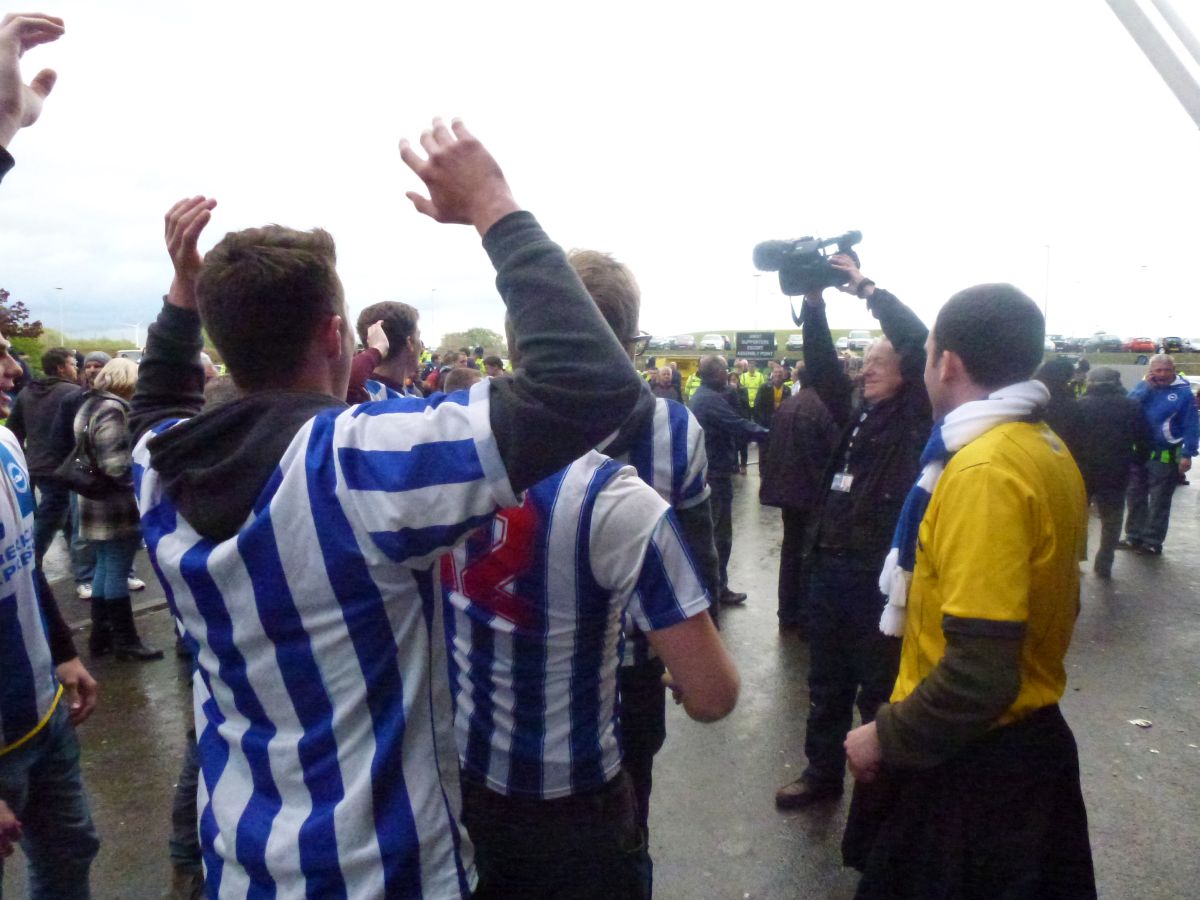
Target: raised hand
(21, 103)
(377, 339)
(849, 267)
(184, 222)
(465, 184)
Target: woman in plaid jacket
(112, 523)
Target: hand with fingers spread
(465, 184)
(184, 222)
(21, 103)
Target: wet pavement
(714, 830)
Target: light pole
(62, 317)
(137, 334)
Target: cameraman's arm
(821, 361)
(902, 327)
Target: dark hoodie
(33, 420)
(575, 387)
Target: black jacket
(575, 386)
(795, 458)
(722, 428)
(764, 403)
(884, 455)
(1112, 435)
(35, 415)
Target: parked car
(659, 343)
(1171, 345)
(131, 355)
(1064, 344)
(859, 340)
(684, 342)
(1048, 346)
(843, 343)
(1102, 342)
(1139, 345)
(795, 341)
(714, 342)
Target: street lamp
(62, 317)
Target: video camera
(803, 264)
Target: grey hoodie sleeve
(575, 384)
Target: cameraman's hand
(846, 265)
(21, 103)
(465, 184)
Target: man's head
(713, 371)
(59, 362)
(272, 303)
(742, 366)
(881, 372)
(778, 376)
(10, 371)
(460, 379)
(800, 376)
(665, 376)
(92, 364)
(119, 376)
(1162, 370)
(615, 291)
(985, 337)
(493, 366)
(399, 327)
(1103, 375)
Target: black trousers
(643, 727)
(793, 568)
(722, 513)
(850, 661)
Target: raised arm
(575, 385)
(21, 103)
(821, 360)
(900, 325)
(170, 377)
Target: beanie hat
(97, 356)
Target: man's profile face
(933, 381)
(69, 370)
(494, 371)
(882, 378)
(9, 372)
(1162, 372)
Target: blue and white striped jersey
(28, 687)
(668, 454)
(535, 600)
(322, 704)
(377, 390)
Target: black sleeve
(764, 400)
(16, 419)
(975, 682)
(62, 647)
(170, 378)
(906, 332)
(575, 384)
(6, 162)
(696, 524)
(822, 364)
(721, 414)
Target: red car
(1139, 345)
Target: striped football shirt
(28, 687)
(535, 600)
(322, 704)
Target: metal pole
(1179, 27)
(1160, 54)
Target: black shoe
(802, 793)
(1128, 544)
(1149, 550)
(732, 598)
(126, 643)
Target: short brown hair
(614, 289)
(262, 294)
(399, 322)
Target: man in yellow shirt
(969, 778)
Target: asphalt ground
(714, 830)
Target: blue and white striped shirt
(535, 601)
(322, 705)
(28, 686)
(668, 454)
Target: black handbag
(80, 472)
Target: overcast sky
(967, 141)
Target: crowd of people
(433, 608)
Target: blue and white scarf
(959, 428)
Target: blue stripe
(267, 494)
(301, 676)
(641, 455)
(409, 404)
(592, 601)
(677, 421)
(214, 756)
(481, 725)
(18, 686)
(138, 472)
(425, 465)
(659, 602)
(374, 644)
(413, 543)
(254, 827)
(429, 596)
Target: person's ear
(950, 368)
(332, 336)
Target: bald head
(712, 371)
